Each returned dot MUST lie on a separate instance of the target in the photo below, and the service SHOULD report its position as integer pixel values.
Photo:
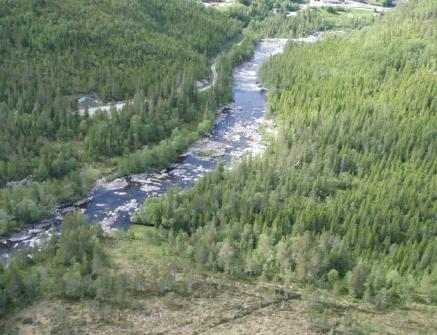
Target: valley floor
(202, 303)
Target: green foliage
(149, 53)
(24, 203)
(350, 179)
(358, 279)
(333, 277)
(71, 265)
(305, 22)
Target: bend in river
(236, 132)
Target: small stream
(236, 133)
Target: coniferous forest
(51, 53)
(332, 230)
(345, 196)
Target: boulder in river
(82, 202)
(225, 109)
(19, 238)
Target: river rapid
(237, 132)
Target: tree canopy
(345, 196)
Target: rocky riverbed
(236, 133)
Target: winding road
(214, 77)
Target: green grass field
(342, 17)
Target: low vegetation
(161, 293)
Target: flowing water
(236, 132)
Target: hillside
(110, 48)
(149, 53)
(345, 197)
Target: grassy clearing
(210, 303)
(343, 17)
(225, 5)
(204, 153)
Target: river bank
(29, 235)
(236, 132)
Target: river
(235, 133)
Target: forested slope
(51, 52)
(345, 198)
(107, 47)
